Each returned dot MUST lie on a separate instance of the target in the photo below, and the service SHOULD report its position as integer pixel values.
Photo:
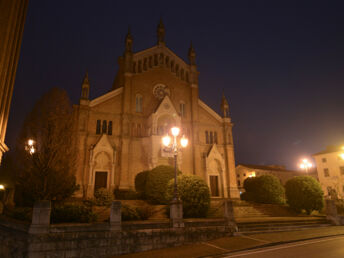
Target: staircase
(278, 225)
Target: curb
(268, 245)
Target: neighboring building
(330, 167)
(12, 19)
(246, 171)
(120, 132)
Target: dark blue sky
(280, 63)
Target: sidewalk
(240, 242)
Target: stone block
(40, 217)
(176, 214)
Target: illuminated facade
(12, 19)
(330, 168)
(120, 132)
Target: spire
(192, 55)
(85, 88)
(161, 32)
(224, 106)
(128, 42)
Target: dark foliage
(194, 193)
(125, 194)
(140, 184)
(264, 189)
(304, 193)
(72, 213)
(103, 197)
(156, 183)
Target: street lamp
(305, 165)
(30, 146)
(341, 155)
(171, 145)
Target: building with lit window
(120, 132)
(283, 174)
(330, 168)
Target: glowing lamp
(175, 131)
(184, 142)
(166, 140)
(2, 187)
(30, 142)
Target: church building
(120, 133)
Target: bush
(140, 183)
(103, 197)
(72, 213)
(304, 192)
(144, 211)
(264, 189)
(156, 183)
(194, 193)
(19, 213)
(126, 194)
(129, 213)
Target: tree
(49, 172)
(264, 189)
(193, 192)
(304, 192)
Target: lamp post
(305, 165)
(171, 145)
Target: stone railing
(332, 213)
(41, 239)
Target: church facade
(120, 133)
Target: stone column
(331, 212)
(115, 216)
(40, 217)
(176, 214)
(229, 215)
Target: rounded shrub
(72, 213)
(140, 183)
(156, 183)
(103, 197)
(129, 213)
(264, 189)
(304, 193)
(194, 193)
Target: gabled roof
(106, 97)
(330, 149)
(209, 110)
(271, 168)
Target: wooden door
(100, 180)
(214, 185)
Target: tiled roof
(329, 149)
(271, 168)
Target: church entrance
(100, 180)
(214, 185)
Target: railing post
(115, 216)
(229, 215)
(176, 214)
(331, 212)
(40, 217)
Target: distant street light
(2, 187)
(30, 146)
(174, 148)
(341, 155)
(305, 165)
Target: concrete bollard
(229, 215)
(331, 212)
(176, 214)
(40, 217)
(115, 216)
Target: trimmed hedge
(72, 213)
(156, 183)
(103, 197)
(140, 183)
(125, 194)
(194, 193)
(304, 193)
(264, 189)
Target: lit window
(326, 172)
(138, 103)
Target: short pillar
(115, 216)
(229, 215)
(176, 214)
(40, 217)
(331, 212)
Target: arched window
(138, 103)
(104, 128)
(211, 138)
(150, 62)
(215, 137)
(182, 109)
(110, 128)
(98, 127)
(206, 137)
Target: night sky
(280, 63)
